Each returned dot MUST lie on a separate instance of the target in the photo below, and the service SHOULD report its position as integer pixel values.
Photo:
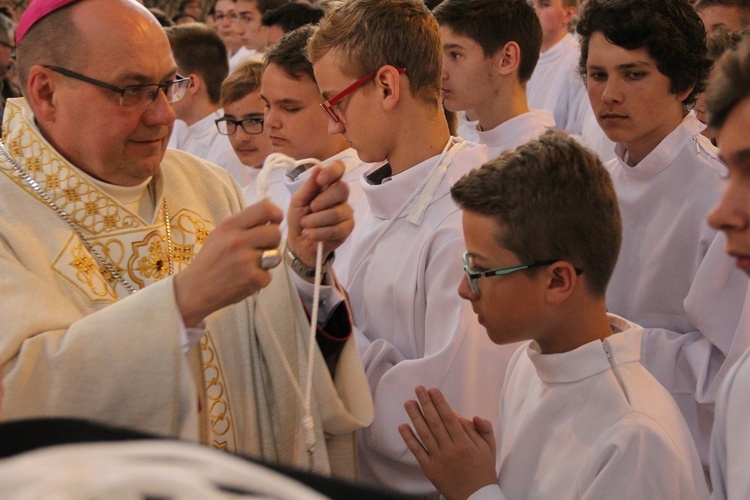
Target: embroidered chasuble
(76, 343)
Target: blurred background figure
(288, 18)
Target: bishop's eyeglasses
(134, 96)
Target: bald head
(67, 36)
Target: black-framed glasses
(328, 105)
(134, 96)
(474, 276)
(228, 126)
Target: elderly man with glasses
(138, 291)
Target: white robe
(75, 344)
(242, 55)
(557, 86)
(730, 440)
(412, 327)
(575, 425)
(203, 140)
(673, 276)
(515, 132)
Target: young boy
(729, 114)
(727, 15)
(298, 129)
(378, 65)
(644, 62)
(581, 418)
(249, 16)
(555, 84)
(490, 49)
(243, 124)
(201, 56)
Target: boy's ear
(508, 58)
(562, 281)
(196, 84)
(41, 92)
(388, 81)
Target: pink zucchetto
(35, 12)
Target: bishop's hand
(228, 267)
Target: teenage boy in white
(298, 129)
(556, 84)
(201, 55)
(490, 49)
(729, 112)
(644, 62)
(382, 91)
(580, 416)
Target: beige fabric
(73, 343)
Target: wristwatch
(303, 270)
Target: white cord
(425, 191)
(278, 160)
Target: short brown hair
(289, 54)
(199, 49)
(731, 85)
(554, 200)
(368, 34)
(244, 80)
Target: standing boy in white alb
(378, 65)
(556, 84)
(644, 62)
(243, 124)
(580, 416)
(490, 49)
(298, 129)
(201, 56)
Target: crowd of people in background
(473, 248)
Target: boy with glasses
(201, 58)
(580, 416)
(243, 124)
(378, 65)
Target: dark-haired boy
(288, 18)
(644, 62)
(490, 50)
(580, 416)
(378, 65)
(297, 128)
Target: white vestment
(673, 276)
(579, 425)
(557, 86)
(203, 140)
(412, 327)
(242, 55)
(515, 132)
(730, 440)
(75, 343)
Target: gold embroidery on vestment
(220, 413)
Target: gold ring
(270, 259)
